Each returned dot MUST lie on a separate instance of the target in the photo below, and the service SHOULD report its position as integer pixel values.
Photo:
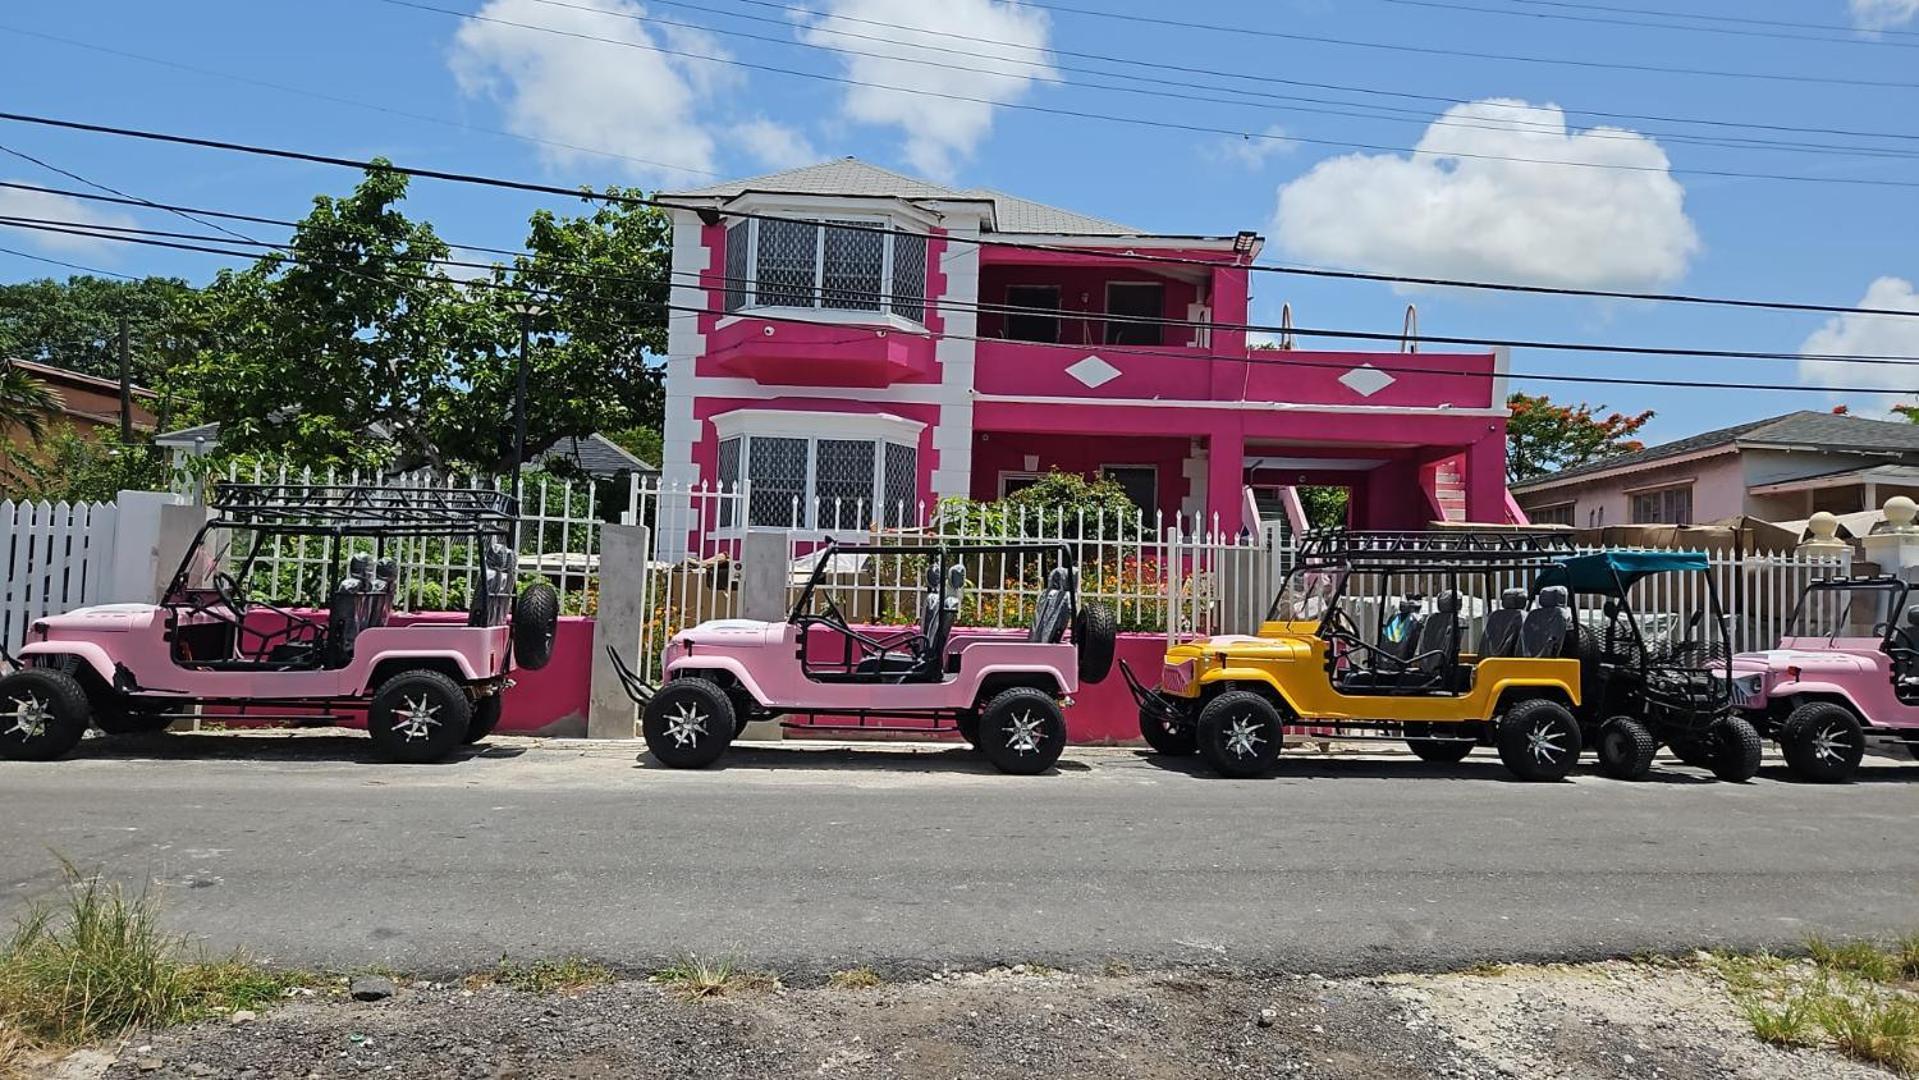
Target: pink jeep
(1001, 692)
(425, 688)
(1845, 675)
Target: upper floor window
(1557, 514)
(1138, 308)
(834, 265)
(1666, 506)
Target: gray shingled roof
(1807, 427)
(597, 455)
(851, 176)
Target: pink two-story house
(840, 370)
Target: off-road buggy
(425, 686)
(819, 671)
(1425, 637)
(1844, 677)
(1656, 665)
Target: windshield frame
(1898, 589)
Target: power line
(1167, 125)
(97, 186)
(1743, 20)
(1431, 50)
(166, 239)
(248, 80)
(1130, 256)
(67, 265)
(796, 9)
(1042, 72)
(1851, 37)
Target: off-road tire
(1439, 751)
(1094, 633)
(1625, 749)
(418, 716)
(1240, 734)
(968, 726)
(1823, 741)
(1696, 751)
(1174, 738)
(486, 717)
(1538, 739)
(52, 702)
(1022, 730)
(1737, 749)
(688, 724)
(536, 617)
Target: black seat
(1439, 634)
(1548, 625)
(940, 630)
(347, 610)
(386, 577)
(1502, 626)
(1055, 608)
(491, 604)
(1905, 654)
(1399, 638)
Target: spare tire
(536, 614)
(1094, 631)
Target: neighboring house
(86, 403)
(1781, 468)
(594, 455)
(841, 370)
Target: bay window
(833, 265)
(825, 472)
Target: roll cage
(1894, 604)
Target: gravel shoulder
(1611, 1020)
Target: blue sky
(1638, 228)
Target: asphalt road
(806, 859)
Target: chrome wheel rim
(416, 718)
(1543, 742)
(1242, 736)
(1025, 732)
(1830, 743)
(30, 717)
(686, 724)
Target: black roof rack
(364, 510)
(1334, 545)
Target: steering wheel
(1338, 626)
(227, 588)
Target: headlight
(1748, 687)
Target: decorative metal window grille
(909, 276)
(843, 483)
(777, 468)
(852, 266)
(901, 486)
(737, 264)
(728, 474)
(788, 265)
(836, 265)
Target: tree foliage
(357, 348)
(75, 324)
(1910, 412)
(68, 466)
(25, 402)
(1543, 436)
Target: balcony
(865, 350)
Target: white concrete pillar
(621, 620)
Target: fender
(1250, 675)
(1815, 688)
(718, 662)
(1066, 684)
(1570, 689)
(373, 661)
(88, 652)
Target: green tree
(1543, 436)
(66, 465)
(75, 324)
(1910, 412)
(1325, 506)
(25, 402)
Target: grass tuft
(1905, 953)
(859, 978)
(564, 976)
(1792, 1023)
(697, 978)
(1486, 969)
(1861, 958)
(100, 963)
(1882, 1030)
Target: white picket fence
(56, 556)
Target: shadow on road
(1307, 766)
(262, 744)
(955, 759)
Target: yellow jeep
(1433, 638)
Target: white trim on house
(1241, 406)
(882, 207)
(827, 316)
(804, 424)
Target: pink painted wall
(1082, 298)
(1719, 491)
(994, 452)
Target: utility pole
(126, 387)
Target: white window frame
(1007, 475)
(880, 429)
(1663, 491)
(825, 218)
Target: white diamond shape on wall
(1367, 380)
(1094, 372)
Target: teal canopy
(1609, 572)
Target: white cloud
(1445, 214)
(47, 206)
(1883, 14)
(939, 132)
(773, 144)
(1868, 335)
(1255, 151)
(632, 102)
